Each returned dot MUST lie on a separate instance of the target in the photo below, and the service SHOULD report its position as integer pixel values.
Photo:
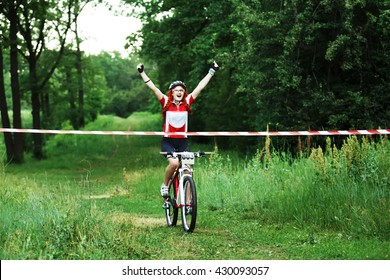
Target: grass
(97, 197)
(322, 190)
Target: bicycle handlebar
(196, 154)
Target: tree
(315, 64)
(78, 7)
(10, 11)
(3, 105)
(124, 94)
(38, 34)
(37, 18)
(63, 90)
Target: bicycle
(182, 191)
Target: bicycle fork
(182, 197)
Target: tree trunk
(15, 87)
(80, 82)
(46, 111)
(4, 112)
(33, 31)
(72, 98)
(36, 107)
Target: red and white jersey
(176, 117)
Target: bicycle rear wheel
(188, 211)
(171, 211)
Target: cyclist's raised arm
(149, 82)
(203, 83)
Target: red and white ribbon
(215, 133)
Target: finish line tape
(216, 133)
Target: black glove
(215, 66)
(140, 68)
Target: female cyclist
(175, 108)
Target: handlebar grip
(202, 154)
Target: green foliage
(111, 86)
(125, 92)
(320, 49)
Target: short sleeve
(164, 100)
(190, 100)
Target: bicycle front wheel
(171, 211)
(188, 210)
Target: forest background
(285, 65)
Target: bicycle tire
(171, 211)
(189, 210)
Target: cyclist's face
(178, 93)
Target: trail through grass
(97, 197)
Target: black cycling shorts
(169, 145)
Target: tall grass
(47, 225)
(49, 210)
(344, 189)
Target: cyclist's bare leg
(173, 164)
